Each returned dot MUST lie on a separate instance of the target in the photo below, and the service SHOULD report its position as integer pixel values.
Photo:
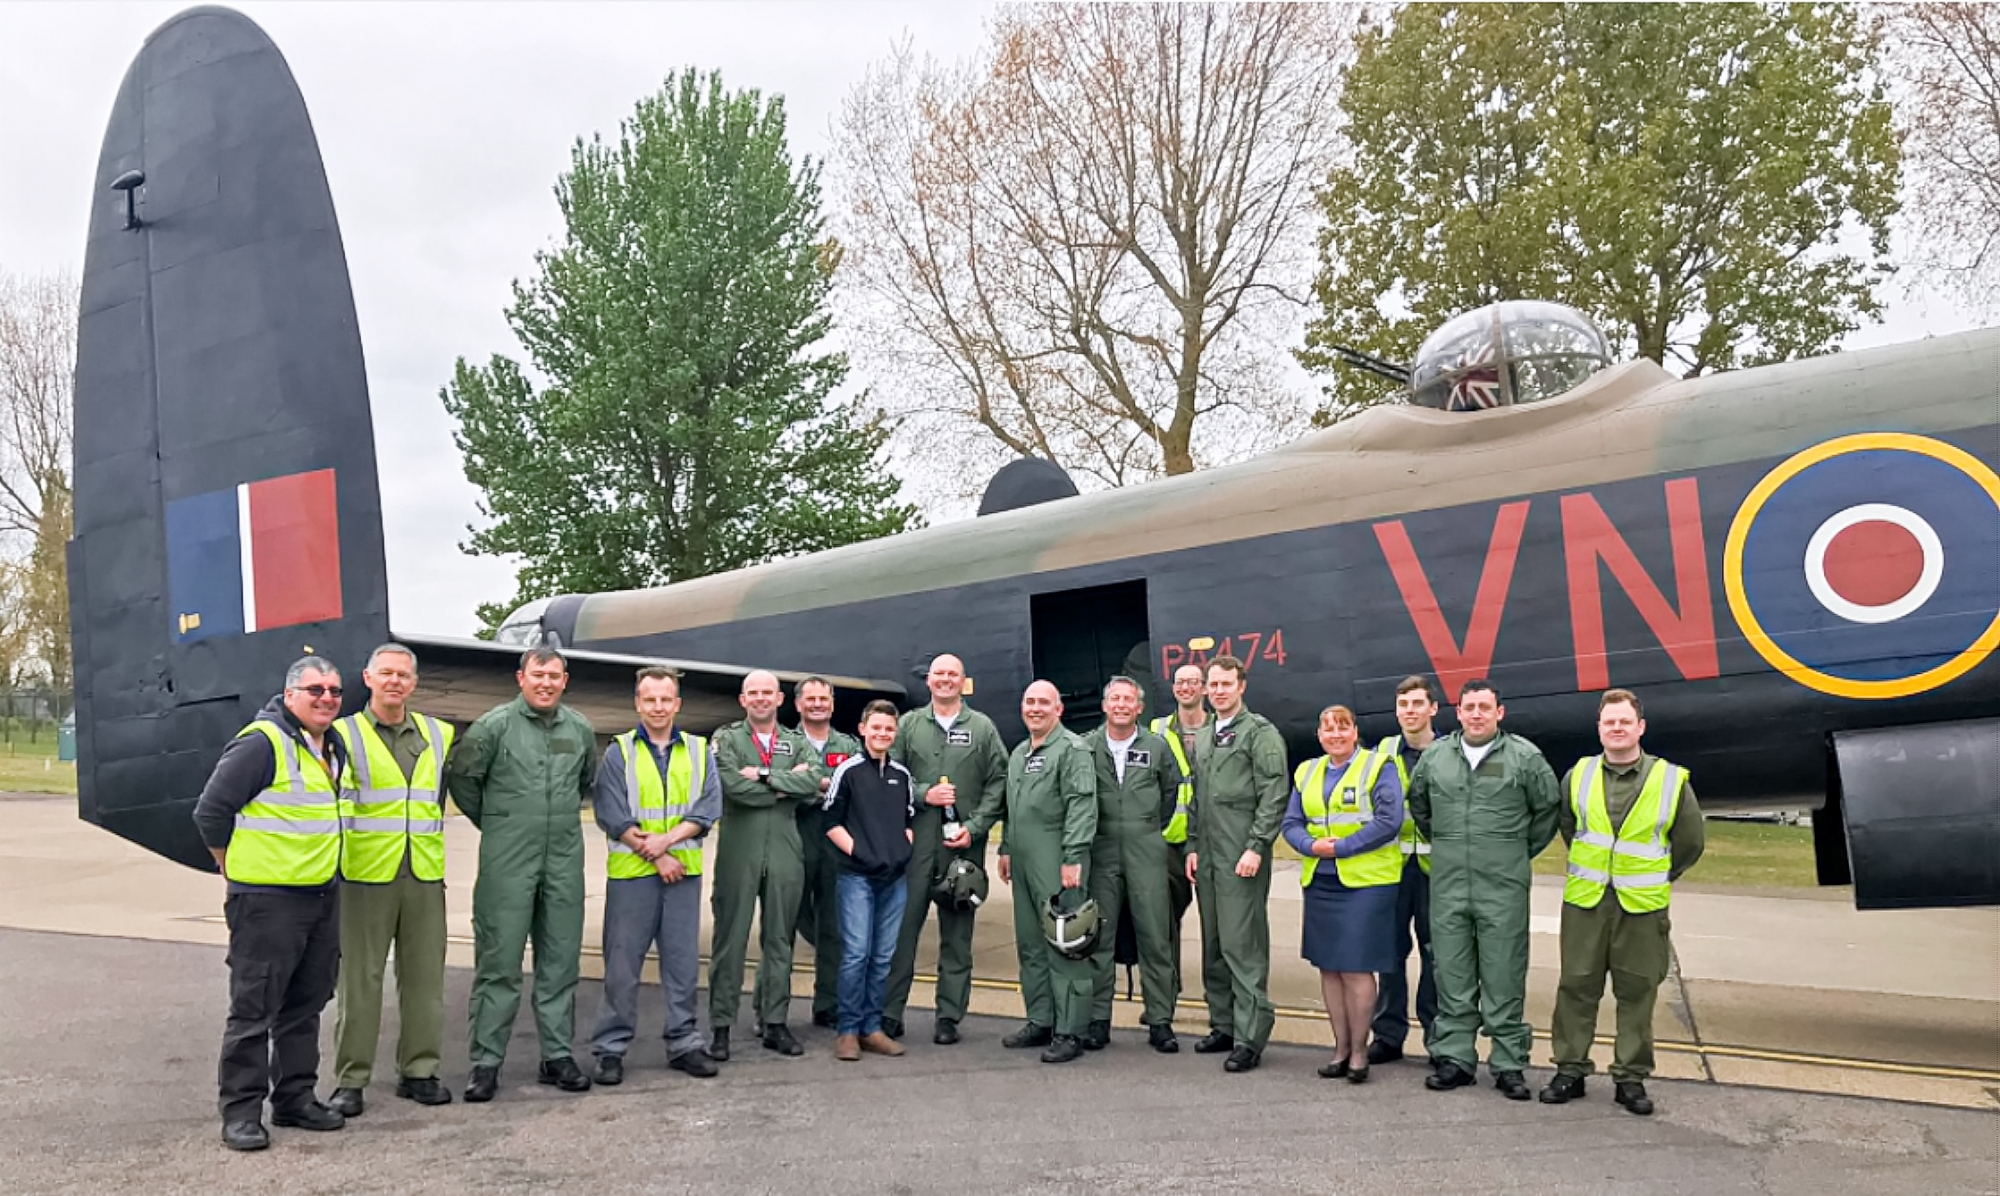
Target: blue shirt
(1383, 827)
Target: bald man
(766, 771)
(957, 761)
(1048, 821)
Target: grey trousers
(638, 914)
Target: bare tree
(1945, 60)
(37, 366)
(1095, 238)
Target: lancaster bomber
(1796, 566)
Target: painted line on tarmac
(1298, 1013)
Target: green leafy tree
(686, 422)
(1713, 183)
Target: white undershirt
(944, 721)
(819, 745)
(1222, 724)
(1118, 749)
(1475, 753)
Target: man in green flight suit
(819, 921)
(767, 771)
(1241, 781)
(1487, 802)
(1138, 790)
(958, 763)
(1049, 818)
(520, 775)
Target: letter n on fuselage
(1688, 635)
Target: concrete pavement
(1795, 990)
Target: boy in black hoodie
(869, 811)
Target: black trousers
(284, 949)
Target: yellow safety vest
(1177, 827)
(1353, 807)
(290, 833)
(1635, 861)
(1410, 840)
(658, 804)
(383, 812)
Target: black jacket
(875, 802)
(246, 769)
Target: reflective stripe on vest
(1409, 841)
(387, 813)
(1177, 827)
(1635, 860)
(657, 805)
(290, 833)
(1354, 809)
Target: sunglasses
(322, 691)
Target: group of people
(329, 831)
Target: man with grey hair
(1138, 791)
(392, 866)
(270, 815)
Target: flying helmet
(961, 886)
(1070, 923)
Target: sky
(443, 128)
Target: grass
(33, 768)
(1749, 854)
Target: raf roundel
(1864, 567)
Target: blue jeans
(871, 914)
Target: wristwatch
(763, 774)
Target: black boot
(1383, 1052)
(1448, 1074)
(484, 1083)
(892, 1026)
(245, 1135)
(1161, 1038)
(1097, 1036)
(1215, 1042)
(346, 1101)
(778, 1037)
(308, 1116)
(1064, 1048)
(564, 1074)
(1242, 1059)
(425, 1090)
(946, 1033)
(718, 1044)
(1562, 1090)
(1511, 1084)
(1632, 1094)
(1029, 1035)
(610, 1070)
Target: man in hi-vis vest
(657, 794)
(392, 863)
(1633, 828)
(270, 814)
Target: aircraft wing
(461, 679)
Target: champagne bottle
(952, 826)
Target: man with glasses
(270, 815)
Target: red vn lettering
(1454, 665)
(1589, 537)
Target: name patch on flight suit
(781, 748)
(1035, 763)
(1138, 759)
(958, 737)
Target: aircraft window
(524, 626)
(1519, 351)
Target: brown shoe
(847, 1048)
(879, 1043)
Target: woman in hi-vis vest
(1345, 812)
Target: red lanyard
(764, 753)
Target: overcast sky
(443, 127)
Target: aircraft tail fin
(228, 519)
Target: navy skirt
(1349, 930)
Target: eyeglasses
(321, 691)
